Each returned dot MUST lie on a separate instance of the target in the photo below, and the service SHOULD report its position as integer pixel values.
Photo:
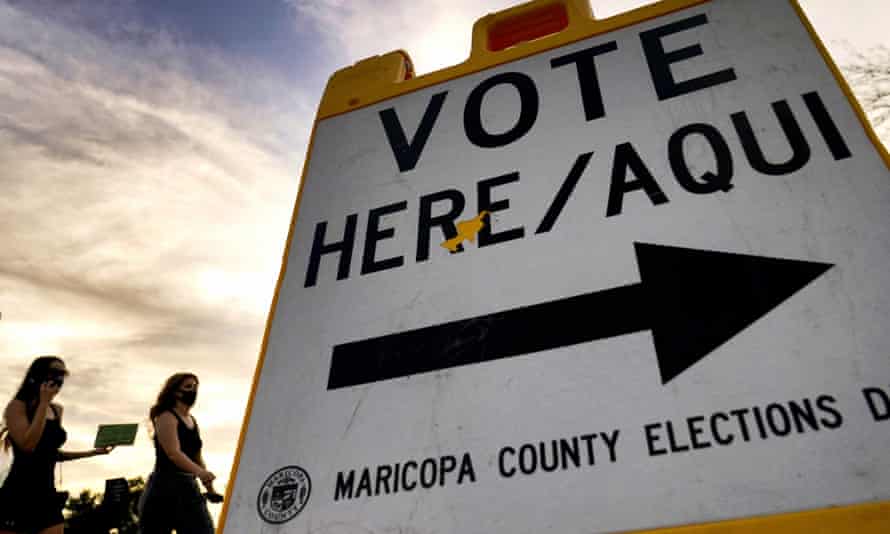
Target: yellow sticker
(466, 231)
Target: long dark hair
(167, 397)
(29, 391)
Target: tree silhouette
(85, 513)
(869, 77)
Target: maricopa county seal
(284, 494)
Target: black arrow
(692, 300)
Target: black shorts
(25, 513)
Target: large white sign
(637, 281)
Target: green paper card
(113, 435)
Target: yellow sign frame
(379, 78)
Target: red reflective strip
(532, 25)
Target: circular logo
(284, 494)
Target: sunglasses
(56, 376)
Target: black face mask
(188, 397)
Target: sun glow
(21, 337)
(249, 289)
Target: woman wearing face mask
(33, 429)
(172, 499)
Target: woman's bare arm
(26, 435)
(165, 425)
(65, 456)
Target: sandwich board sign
(604, 276)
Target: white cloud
(144, 212)
(435, 34)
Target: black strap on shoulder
(182, 422)
(176, 415)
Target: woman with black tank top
(172, 499)
(33, 429)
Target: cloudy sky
(150, 153)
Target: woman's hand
(98, 451)
(206, 478)
(48, 391)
